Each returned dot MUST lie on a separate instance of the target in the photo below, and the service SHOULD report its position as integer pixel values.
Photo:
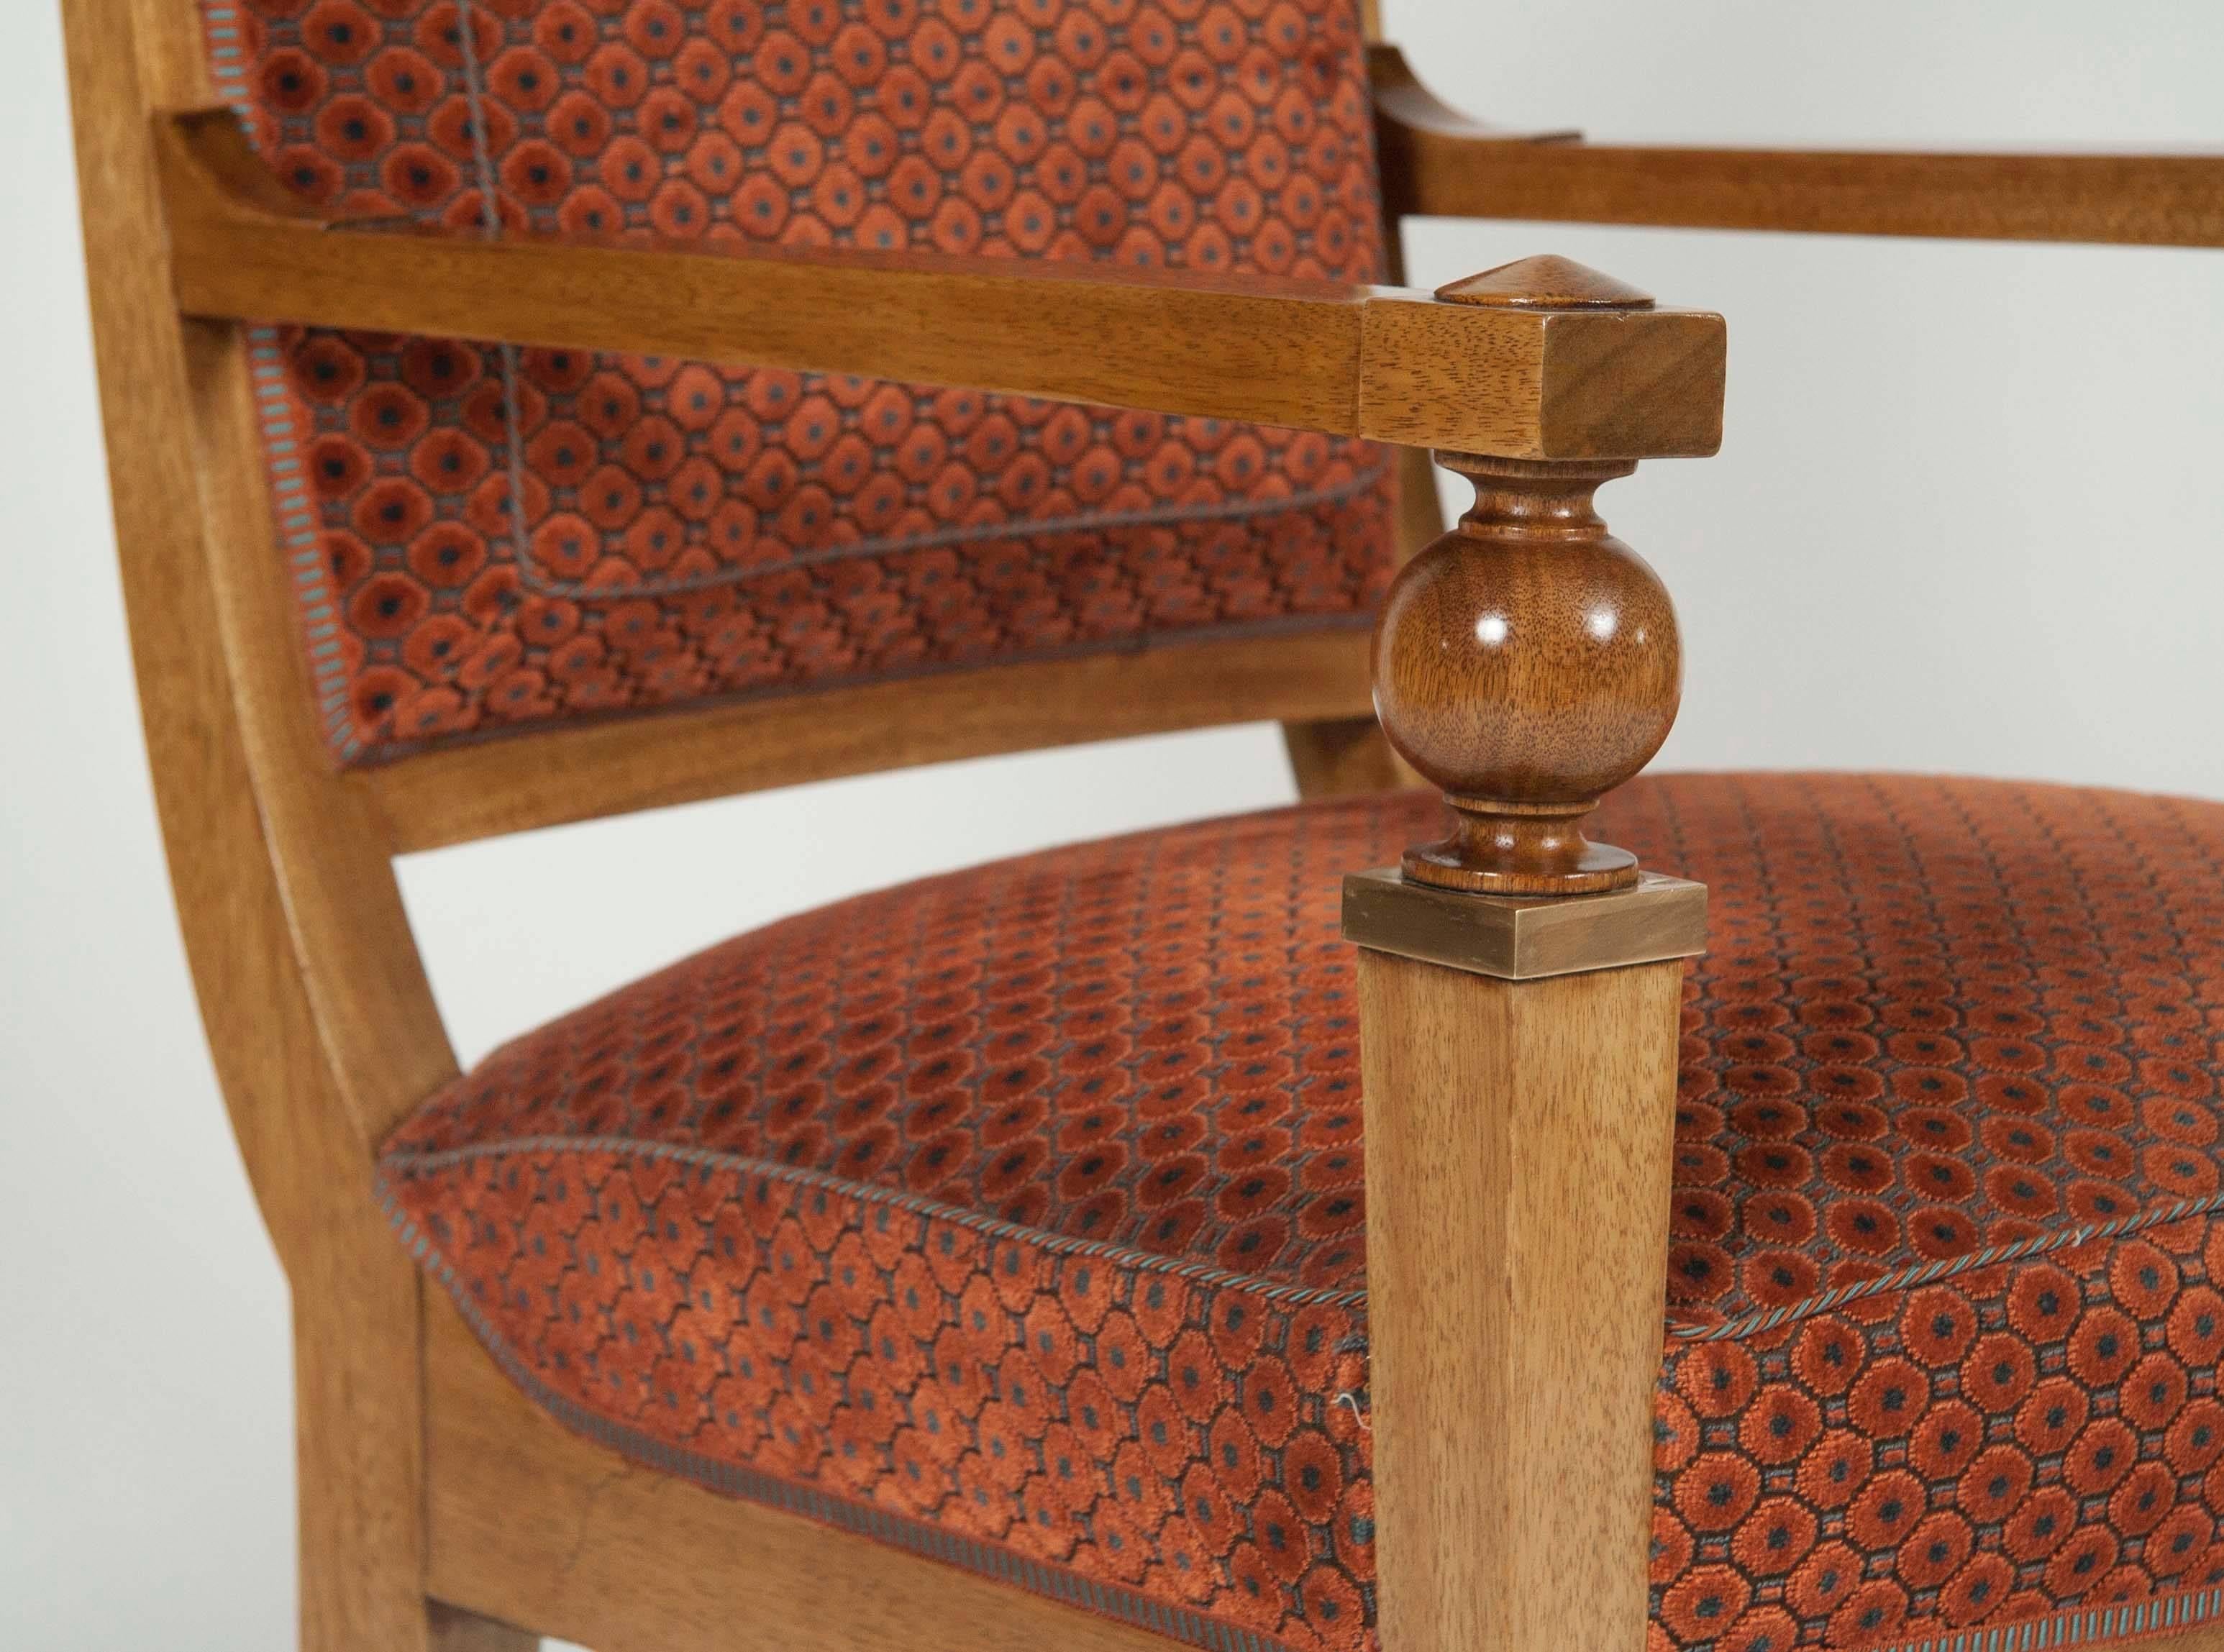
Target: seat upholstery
(1017, 1217)
(487, 539)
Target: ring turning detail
(1527, 662)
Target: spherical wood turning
(1528, 663)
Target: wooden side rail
(1438, 163)
(1393, 365)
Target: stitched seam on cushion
(406, 1160)
(391, 750)
(1206, 1273)
(1946, 1268)
(2078, 1625)
(529, 574)
(973, 1554)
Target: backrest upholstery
(487, 539)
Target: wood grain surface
(1344, 359)
(1519, 1139)
(1438, 163)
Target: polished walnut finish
(1527, 662)
(1439, 162)
(1548, 282)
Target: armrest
(1391, 364)
(1436, 162)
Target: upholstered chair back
(487, 539)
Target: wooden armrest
(1436, 162)
(1393, 365)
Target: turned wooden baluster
(1519, 990)
(1527, 661)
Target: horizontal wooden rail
(1438, 163)
(1393, 365)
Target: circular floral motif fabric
(1020, 1214)
(487, 538)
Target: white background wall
(1966, 517)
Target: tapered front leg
(1518, 1138)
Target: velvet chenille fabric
(1017, 1217)
(486, 539)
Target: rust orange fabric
(486, 539)
(1018, 1216)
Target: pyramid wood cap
(1546, 283)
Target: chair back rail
(1438, 163)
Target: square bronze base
(1522, 938)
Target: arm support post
(1520, 990)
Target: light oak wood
(532, 1523)
(279, 1020)
(1518, 1130)
(331, 844)
(1519, 1135)
(1439, 163)
(2208, 1639)
(586, 771)
(1588, 384)
(1344, 359)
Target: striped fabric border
(2081, 1626)
(298, 540)
(984, 1560)
(1203, 1273)
(227, 60)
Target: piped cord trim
(1947, 1268)
(933, 1542)
(1206, 1273)
(406, 1161)
(2081, 1626)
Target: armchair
(1094, 1248)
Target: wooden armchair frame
(416, 1453)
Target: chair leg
(455, 1630)
(1519, 1135)
(359, 1437)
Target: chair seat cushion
(1017, 1217)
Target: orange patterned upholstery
(1017, 1217)
(487, 538)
